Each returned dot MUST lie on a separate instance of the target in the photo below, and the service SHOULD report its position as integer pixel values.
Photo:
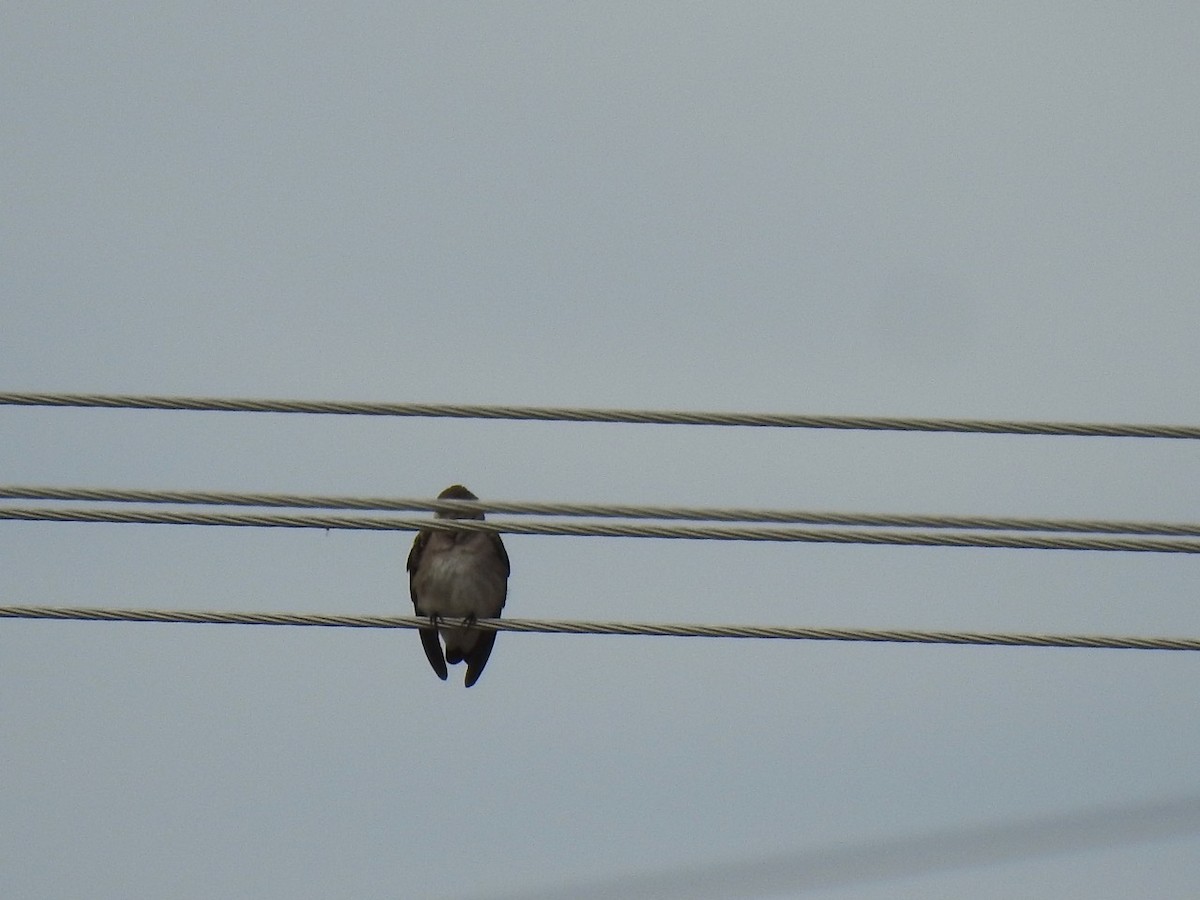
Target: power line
(844, 863)
(597, 510)
(595, 529)
(584, 414)
(559, 626)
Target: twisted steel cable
(583, 414)
(593, 529)
(559, 626)
(597, 510)
(597, 529)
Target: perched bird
(458, 575)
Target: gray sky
(896, 209)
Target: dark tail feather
(433, 651)
(478, 656)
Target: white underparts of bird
(457, 575)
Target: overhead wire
(605, 529)
(559, 626)
(596, 510)
(586, 414)
(845, 863)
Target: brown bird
(458, 575)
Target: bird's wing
(500, 552)
(414, 560)
(429, 636)
(478, 656)
(433, 651)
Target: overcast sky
(932, 209)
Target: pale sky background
(932, 209)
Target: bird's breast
(461, 579)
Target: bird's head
(457, 492)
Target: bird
(458, 575)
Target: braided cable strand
(597, 510)
(593, 529)
(558, 626)
(579, 414)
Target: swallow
(458, 575)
